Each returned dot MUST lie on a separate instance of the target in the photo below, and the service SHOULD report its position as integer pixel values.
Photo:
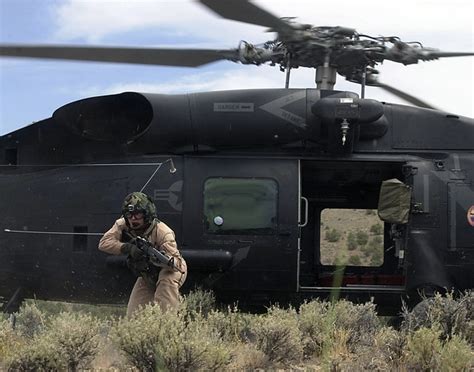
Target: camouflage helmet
(138, 202)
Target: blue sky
(30, 90)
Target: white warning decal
(275, 107)
(233, 107)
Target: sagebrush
(319, 335)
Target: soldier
(153, 285)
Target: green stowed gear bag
(394, 201)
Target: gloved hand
(131, 250)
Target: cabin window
(80, 239)
(241, 206)
(351, 237)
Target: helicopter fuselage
(251, 182)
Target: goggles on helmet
(132, 210)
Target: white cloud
(95, 20)
(237, 78)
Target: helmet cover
(138, 202)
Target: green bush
(69, 341)
(375, 244)
(333, 235)
(376, 229)
(137, 337)
(423, 349)
(29, 320)
(362, 238)
(193, 346)
(377, 258)
(390, 346)
(153, 340)
(9, 340)
(367, 250)
(456, 355)
(37, 355)
(354, 260)
(245, 357)
(335, 332)
(313, 327)
(279, 337)
(452, 316)
(359, 320)
(351, 242)
(75, 336)
(199, 301)
(232, 325)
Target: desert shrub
(199, 301)
(278, 336)
(423, 349)
(362, 238)
(333, 235)
(75, 336)
(354, 260)
(69, 341)
(247, 358)
(377, 257)
(9, 340)
(389, 346)
(431, 349)
(456, 355)
(232, 325)
(351, 242)
(375, 244)
(360, 321)
(376, 229)
(29, 320)
(385, 354)
(37, 355)
(367, 249)
(136, 337)
(336, 353)
(311, 321)
(452, 316)
(166, 340)
(192, 346)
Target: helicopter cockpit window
(242, 206)
(351, 237)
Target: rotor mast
(325, 75)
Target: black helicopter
(244, 177)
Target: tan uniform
(166, 292)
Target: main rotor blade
(405, 96)
(245, 11)
(434, 55)
(144, 56)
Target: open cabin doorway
(344, 245)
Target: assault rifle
(153, 255)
